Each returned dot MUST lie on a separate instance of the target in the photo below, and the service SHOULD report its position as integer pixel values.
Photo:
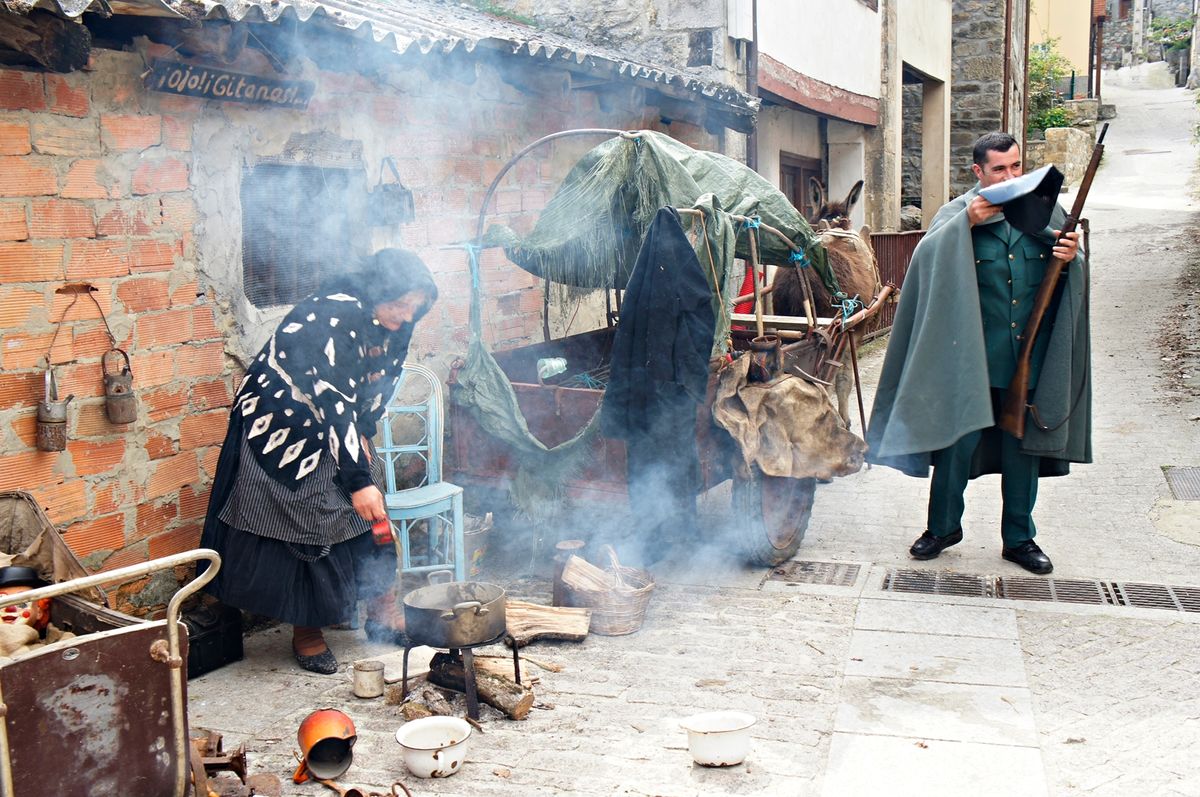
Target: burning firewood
(510, 697)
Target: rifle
(1016, 400)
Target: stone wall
(1068, 148)
(978, 88)
(136, 193)
(910, 168)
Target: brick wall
(135, 193)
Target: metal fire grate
(838, 574)
(1051, 590)
(931, 582)
(1184, 483)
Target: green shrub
(1047, 68)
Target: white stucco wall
(924, 36)
(781, 130)
(833, 41)
(847, 148)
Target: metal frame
(173, 660)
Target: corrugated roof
(438, 26)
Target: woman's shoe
(324, 662)
(385, 634)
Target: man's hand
(981, 210)
(1066, 246)
(368, 503)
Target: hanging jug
(120, 404)
(52, 417)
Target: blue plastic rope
(753, 223)
(850, 306)
(800, 258)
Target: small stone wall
(1068, 148)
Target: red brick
(177, 103)
(91, 420)
(91, 259)
(211, 394)
(12, 222)
(153, 256)
(29, 351)
(172, 474)
(205, 429)
(92, 341)
(105, 533)
(92, 458)
(159, 445)
(29, 469)
(56, 135)
(208, 461)
(193, 503)
(64, 502)
(167, 402)
(24, 426)
(143, 294)
(124, 219)
(68, 95)
(164, 328)
(30, 262)
(206, 360)
(26, 176)
(176, 212)
(154, 368)
(84, 309)
(130, 133)
(180, 540)
(186, 294)
(204, 324)
(89, 179)
(21, 389)
(154, 518)
(169, 174)
(62, 218)
(83, 380)
(177, 133)
(112, 497)
(22, 91)
(136, 554)
(14, 138)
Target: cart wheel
(771, 515)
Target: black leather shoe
(929, 546)
(324, 663)
(1029, 556)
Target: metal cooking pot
(455, 615)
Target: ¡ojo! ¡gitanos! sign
(191, 80)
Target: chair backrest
(418, 400)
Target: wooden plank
(530, 621)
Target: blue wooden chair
(414, 413)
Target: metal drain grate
(1050, 590)
(1184, 483)
(839, 574)
(931, 582)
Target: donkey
(853, 263)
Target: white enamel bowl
(719, 738)
(434, 747)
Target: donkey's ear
(816, 192)
(854, 194)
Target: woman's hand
(368, 503)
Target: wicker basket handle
(615, 563)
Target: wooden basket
(618, 596)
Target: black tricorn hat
(1028, 200)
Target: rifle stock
(1016, 399)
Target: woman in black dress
(295, 491)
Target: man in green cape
(967, 296)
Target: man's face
(999, 167)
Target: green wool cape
(933, 388)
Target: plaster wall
(833, 41)
(924, 37)
(1068, 21)
(782, 130)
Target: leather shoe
(1029, 556)
(928, 546)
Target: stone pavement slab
(936, 657)
(900, 767)
(936, 618)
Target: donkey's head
(837, 214)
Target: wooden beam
(58, 44)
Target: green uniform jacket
(935, 388)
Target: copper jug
(120, 404)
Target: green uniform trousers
(1018, 485)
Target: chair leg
(460, 545)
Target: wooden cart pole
(758, 295)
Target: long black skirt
(306, 585)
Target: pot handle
(465, 606)
(436, 577)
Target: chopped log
(512, 698)
(424, 700)
(60, 45)
(530, 621)
(580, 574)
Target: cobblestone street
(858, 690)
